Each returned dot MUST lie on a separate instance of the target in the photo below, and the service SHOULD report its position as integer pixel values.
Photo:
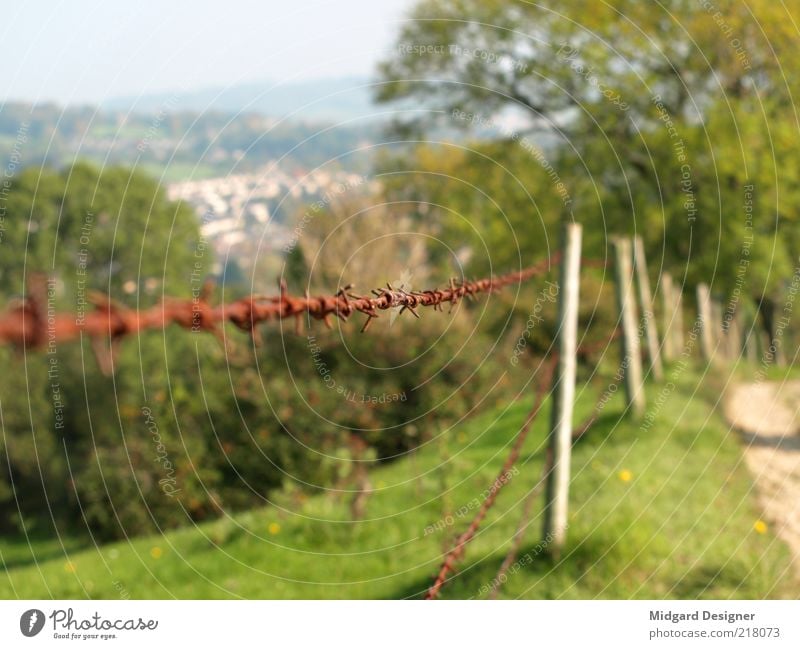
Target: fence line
(516, 542)
(522, 526)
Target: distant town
(244, 216)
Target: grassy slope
(682, 525)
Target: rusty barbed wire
(459, 547)
(522, 526)
(31, 324)
(457, 552)
(516, 542)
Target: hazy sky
(76, 51)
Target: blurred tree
(668, 120)
(111, 231)
(33, 472)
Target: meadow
(662, 508)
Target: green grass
(659, 511)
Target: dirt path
(768, 416)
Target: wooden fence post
(751, 347)
(763, 347)
(733, 337)
(704, 314)
(720, 350)
(750, 337)
(776, 339)
(668, 319)
(557, 491)
(631, 356)
(678, 330)
(649, 318)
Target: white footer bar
(406, 624)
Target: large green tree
(673, 119)
(75, 441)
(109, 230)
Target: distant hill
(324, 100)
(176, 144)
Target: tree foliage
(673, 120)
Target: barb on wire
(457, 551)
(30, 323)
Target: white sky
(83, 51)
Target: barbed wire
(577, 433)
(31, 323)
(459, 547)
(525, 519)
(522, 526)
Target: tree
(660, 118)
(111, 231)
(75, 442)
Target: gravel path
(768, 416)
